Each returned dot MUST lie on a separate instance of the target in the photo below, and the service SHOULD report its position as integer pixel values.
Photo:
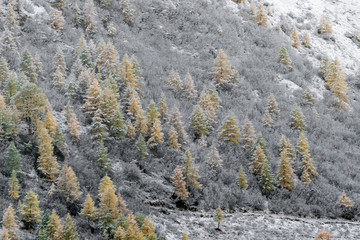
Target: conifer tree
(102, 157)
(14, 186)
(302, 146)
(50, 124)
(267, 178)
(119, 234)
(284, 57)
(308, 169)
(260, 141)
(307, 40)
(261, 16)
(117, 125)
(175, 80)
(58, 80)
(339, 87)
(283, 143)
(137, 70)
(148, 229)
(325, 25)
(90, 14)
(60, 4)
(141, 148)
(297, 118)
(108, 211)
(68, 184)
(214, 97)
(59, 62)
(290, 150)
(11, 87)
(267, 121)
(175, 121)
(29, 211)
(219, 217)
(258, 160)
(128, 76)
(122, 205)
(173, 138)
(27, 67)
(203, 142)
(93, 98)
(54, 227)
(156, 136)
(248, 134)
(344, 200)
(85, 80)
(190, 172)
(134, 107)
(189, 87)
(151, 114)
(323, 235)
(11, 18)
(223, 73)
(241, 180)
(198, 122)
(286, 173)
(89, 210)
(5, 234)
(308, 97)
(324, 67)
(98, 129)
(230, 130)
(74, 129)
(214, 159)
(10, 222)
(185, 237)
(127, 11)
(163, 108)
(47, 163)
(178, 181)
(108, 103)
(70, 229)
(141, 124)
(4, 71)
(13, 159)
(41, 231)
(57, 20)
(295, 38)
(130, 129)
(2, 103)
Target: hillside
(84, 89)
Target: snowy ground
(238, 226)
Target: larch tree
(175, 80)
(57, 20)
(214, 159)
(230, 130)
(148, 229)
(290, 150)
(258, 160)
(127, 11)
(223, 74)
(308, 169)
(189, 87)
(302, 146)
(92, 101)
(156, 136)
(152, 114)
(122, 205)
(175, 120)
(219, 217)
(74, 129)
(261, 16)
(185, 237)
(10, 222)
(297, 118)
(141, 148)
(163, 108)
(267, 178)
(119, 234)
(13, 159)
(309, 97)
(141, 124)
(307, 40)
(128, 76)
(60, 4)
(241, 180)
(295, 38)
(286, 173)
(14, 186)
(5, 234)
(323, 235)
(89, 210)
(117, 125)
(199, 122)
(29, 211)
(178, 181)
(54, 228)
(47, 163)
(284, 57)
(70, 232)
(130, 129)
(50, 124)
(324, 66)
(90, 14)
(11, 87)
(134, 107)
(190, 172)
(325, 25)
(267, 121)
(108, 103)
(282, 144)
(59, 61)
(102, 158)
(58, 80)
(108, 211)
(345, 200)
(68, 184)
(27, 67)
(339, 86)
(4, 71)
(98, 130)
(247, 134)
(173, 138)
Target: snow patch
(290, 85)
(38, 10)
(232, 6)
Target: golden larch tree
(68, 184)
(14, 186)
(173, 138)
(306, 40)
(286, 173)
(148, 229)
(57, 20)
(345, 200)
(325, 25)
(247, 134)
(241, 180)
(74, 129)
(258, 160)
(29, 210)
(50, 124)
(163, 108)
(230, 130)
(92, 101)
(175, 120)
(175, 80)
(222, 71)
(261, 16)
(295, 38)
(156, 136)
(10, 222)
(284, 57)
(272, 105)
(54, 227)
(297, 118)
(308, 169)
(89, 210)
(190, 172)
(178, 181)
(189, 87)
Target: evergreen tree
(134, 107)
(127, 11)
(290, 150)
(344, 200)
(173, 138)
(14, 186)
(128, 76)
(98, 130)
(283, 143)
(190, 172)
(286, 173)
(248, 134)
(74, 129)
(130, 129)
(68, 184)
(214, 97)
(151, 114)
(108, 103)
(309, 98)
(260, 141)
(93, 98)
(178, 181)
(54, 227)
(102, 157)
(148, 229)
(267, 121)
(259, 159)
(295, 38)
(50, 124)
(267, 178)
(117, 125)
(4, 71)
(70, 229)
(57, 20)
(308, 169)
(339, 87)
(108, 211)
(174, 80)
(223, 73)
(198, 122)
(230, 130)
(214, 159)
(175, 121)
(141, 148)
(141, 124)
(89, 210)
(163, 108)
(219, 217)
(11, 87)
(41, 231)
(241, 180)
(13, 159)
(90, 14)
(284, 57)
(59, 62)
(189, 87)
(156, 136)
(27, 67)
(297, 118)
(185, 237)
(10, 222)
(261, 16)
(302, 146)
(29, 211)
(307, 40)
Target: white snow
(38, 10)
(290, 85)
